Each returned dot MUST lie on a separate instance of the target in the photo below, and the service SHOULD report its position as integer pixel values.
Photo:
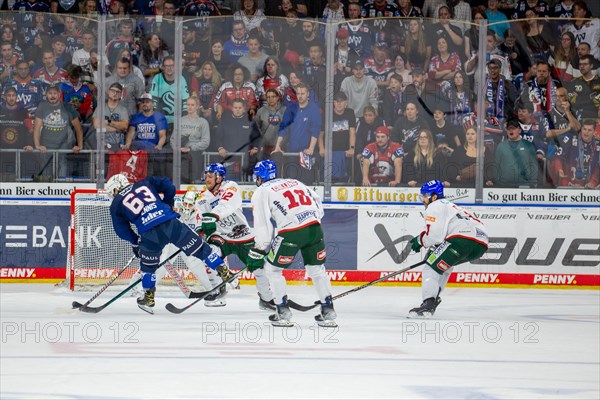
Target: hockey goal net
(96, 253)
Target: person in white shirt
(82, 56)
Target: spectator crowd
(253, 86)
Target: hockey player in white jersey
(297, 212)
(452, 236)
(225, 226)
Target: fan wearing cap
(116, 118)
(344, 56)
(133, 86)
(382, 160)
(343, 133)
(147, 129)
(196, 45)
(51, 127)
(500, 92)
(516, 161)
(472, 65)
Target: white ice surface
(481, 344)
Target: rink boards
(531, 245)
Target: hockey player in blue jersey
(157, 225)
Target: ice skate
(224, 272)
(328, 315)
(426, 309)
(146, 302)
(216, 299)
(282, 315)
(266, 305)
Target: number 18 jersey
(290, 203)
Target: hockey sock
(148, 280)
(277, 281)
(210, 258)
(197, 268)
(320, 280)
(433, 283)
(262, 284)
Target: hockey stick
(187, 292)
(176, 310)
(106, 285)
(45, 165)
(230, 154)
(296, 306)
(95, 310)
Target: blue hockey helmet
(265, 170)
(433, 187)
(217, 168)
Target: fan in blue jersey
(157, 225)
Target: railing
(323, 78)
(35, 166)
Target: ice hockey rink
(481, 344)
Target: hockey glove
(415, 244)
(136, 250)
(209, 223)
(256, 259)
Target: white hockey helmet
(188, 202)
(116, 183)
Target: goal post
(95, 252)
